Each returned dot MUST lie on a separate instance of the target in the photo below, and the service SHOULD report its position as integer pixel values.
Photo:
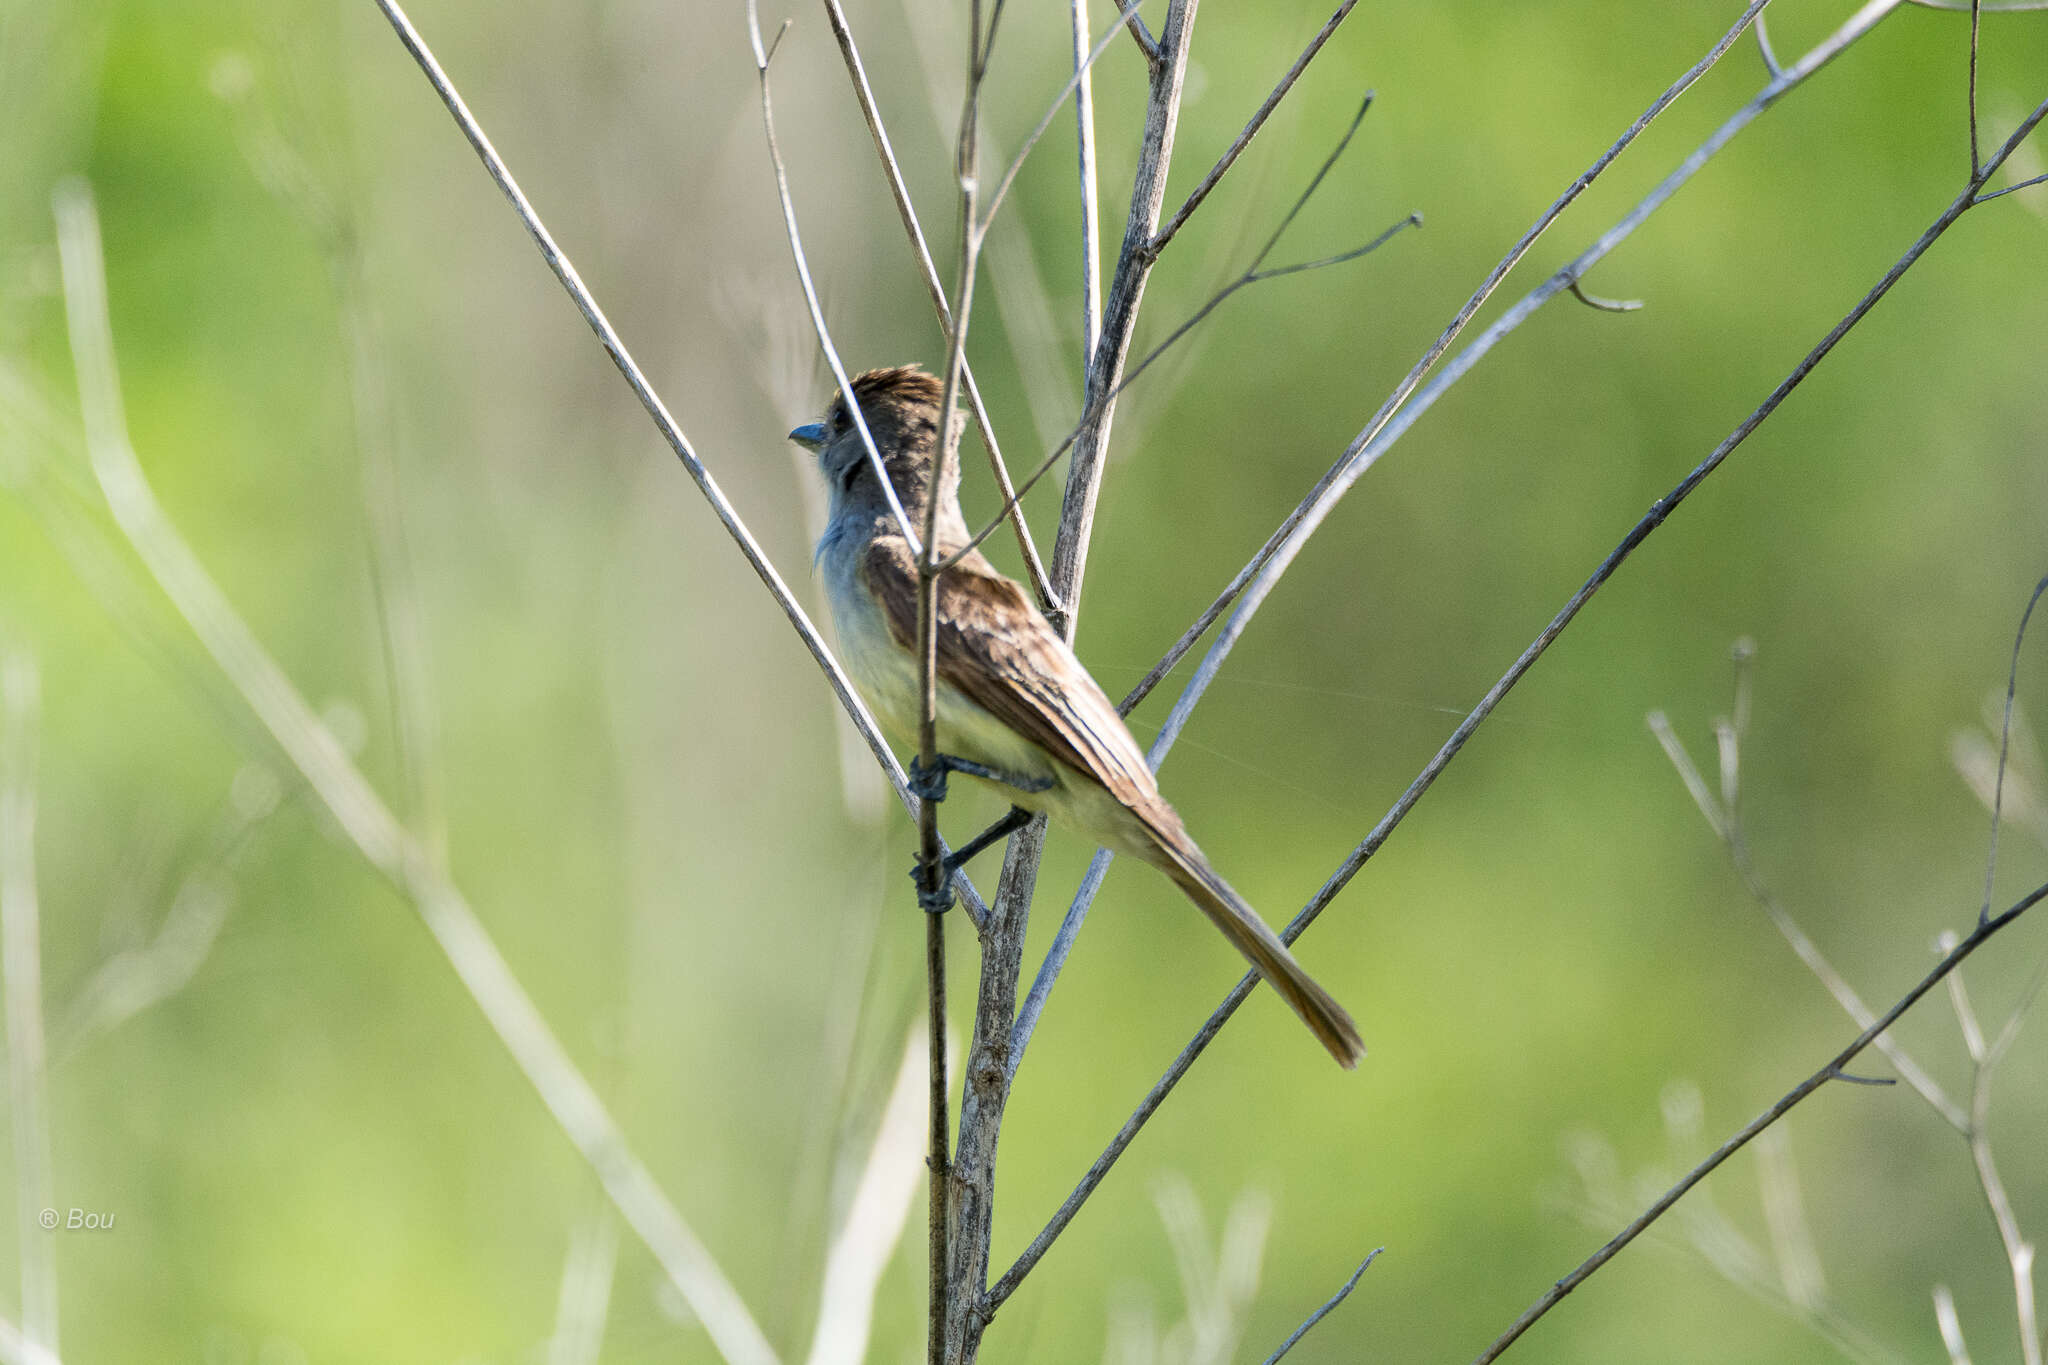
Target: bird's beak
(811, 436)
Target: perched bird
(1016, 709)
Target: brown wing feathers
(995, 648)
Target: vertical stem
(21, 948)
(1976, 21)
(946, 1297)
(985, 1091)
(935, 971)
(1091, 217)
(1119, 316)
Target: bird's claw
(929, 784)
(934, 900)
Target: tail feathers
(1184, 863)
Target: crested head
(900, 406)
(899, 388)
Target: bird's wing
(995, 647)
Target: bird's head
(901, 408)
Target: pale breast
(885, 675)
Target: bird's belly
(885, 675)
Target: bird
(1016, 710)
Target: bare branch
(1726, 822)
(1328, 487)
(1062, 947)
(584, 1298)
(946, 1310)
(282, 166)
(1313, 1318)
(1695, 785)
(988, 1071)
(2019, 1253)
(636, 380)
(21, 972)
(1009, 177)
(900, 192)
(1772, 68)
(1091, 208)
(1594, 301)
(762, 57)
(1951, 1326)
(1966, 1013)
(2009, 189)
(1142, 36)
(1976, 22)
(1120, 312)
(1251, 130)
(2012, 682)
(1792, 1249)
(1830, 1071)
(1252, 275)
(362, 816)
(1656, 516)
(875, 1218)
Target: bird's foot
(929, 783)
(933, 900)
(936, 902)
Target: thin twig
(1120, 311)
(875, 1218)
(1832, 1070)
(1358, 857)
(1950, 1326)
(899, 191)
(1772, 68)
(763, 56)
(1056, 955)
(947, 1306)
(2012, 682)
(361, 815)
(2019, 1252)
(1604, 305)
(21, 972)
(1249, 277)
(584, 1299)
(1091, 209)
(1976, 22)
(1388, 426)
(938, 1136)
(636, 379)
(1141, 35)
(2010, 189)
(1094, 405)
(1313, 1318)
(988, 1071)
(1726, 822)
(1316, 497)
(284, 168)
(1251, 130)
(994, 201)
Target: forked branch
(1651, 520)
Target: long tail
(1179, 859)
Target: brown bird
(1016, 710)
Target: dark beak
(811, 436)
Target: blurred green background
(314, 1148)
